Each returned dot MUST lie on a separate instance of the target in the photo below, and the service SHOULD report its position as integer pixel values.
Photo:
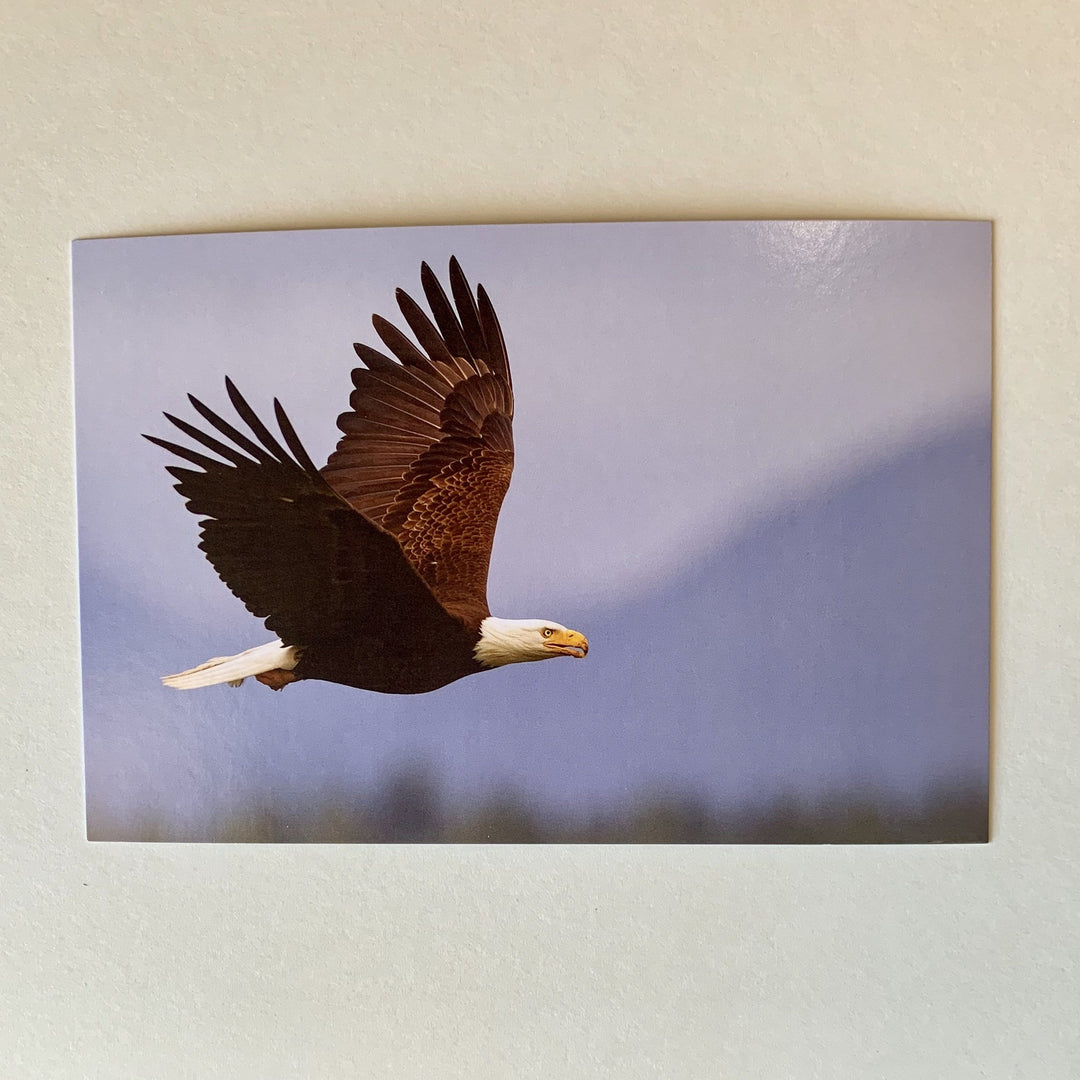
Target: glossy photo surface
(752, 467)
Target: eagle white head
(515, 641)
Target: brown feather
(444, 316)
(323, 577)
(427, 446)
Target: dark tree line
(409, 807)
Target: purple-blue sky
(720, 403)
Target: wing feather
(466, 306)
(427, 445)
(428, 337)
(183, 452)
(292, 440)
(493, 336)
(293, 550)
(415, 390)
(444, 315)
(208, 441)
(258, 428)
(226, 429)
(404, 349)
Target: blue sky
(718, 385)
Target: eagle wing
(289, 546)
(427, 449)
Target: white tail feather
(234, 669)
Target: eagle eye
(548, 631)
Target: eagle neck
(500, 643)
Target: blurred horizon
(409, 806)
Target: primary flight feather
(372, 571)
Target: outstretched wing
(427, 451)
(288, 546)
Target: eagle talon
(277, 679)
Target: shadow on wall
(409, 807)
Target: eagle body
(402, 662)
(372, 571)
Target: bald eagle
(372, 571)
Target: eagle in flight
(372, 571)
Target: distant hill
(841, 643)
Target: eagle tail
(234, 669)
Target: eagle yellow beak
(568, 643)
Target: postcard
(654, 532)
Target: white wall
(173, 961)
